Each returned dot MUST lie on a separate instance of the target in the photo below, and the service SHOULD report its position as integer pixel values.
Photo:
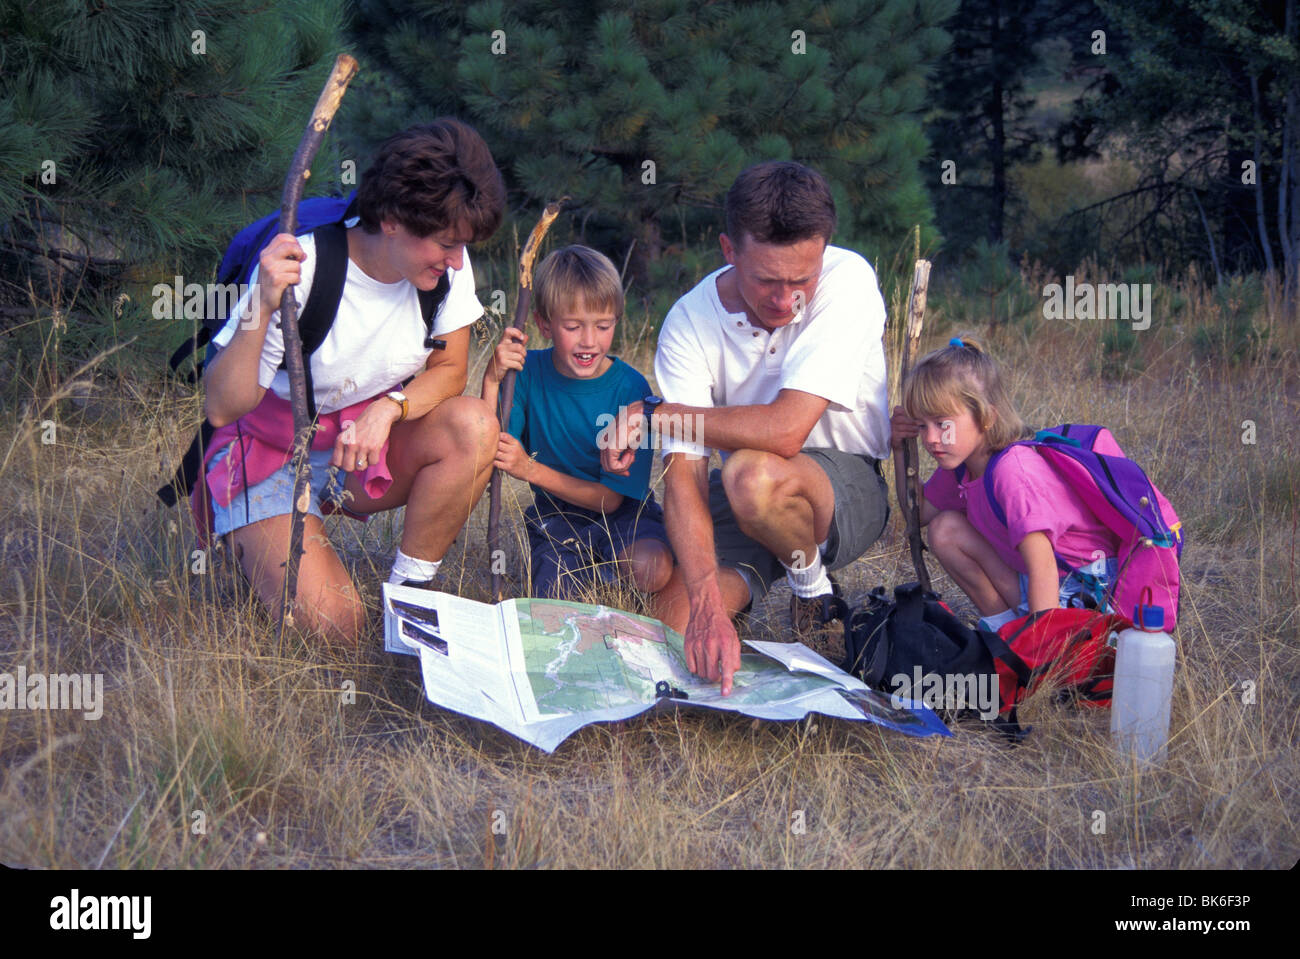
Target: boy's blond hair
(576, 274)
(962, 375)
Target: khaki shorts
(861, 512)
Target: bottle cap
(1149, 618)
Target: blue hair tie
(956, 341)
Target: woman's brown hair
(433, 177)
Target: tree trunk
(647, 249)
(1283, 233)
(1287, 214)
(997, 149)
(1209, 237)
(1264, 241)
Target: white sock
(809, 581)
(408, 567)
(996, 621)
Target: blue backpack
(324, 217)
(1090, 461)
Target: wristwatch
(400, 399)
(648, 406)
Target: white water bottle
(1144, 685)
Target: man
(776, 361)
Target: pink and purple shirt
(1034, 499)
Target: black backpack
(884, 638)
(319, 216)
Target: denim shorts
(573, 548)
(274, 495)
(1084, 588)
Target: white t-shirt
(377, 339)
(709, 357)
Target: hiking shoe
(420, 583)
(816, 611)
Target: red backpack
(1069, 647)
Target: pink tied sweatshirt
(261, 443)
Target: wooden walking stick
(909, 498)
(345, 68)
(506, 397)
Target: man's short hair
(433, 177)
(780, 202)
(576, 273)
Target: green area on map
(582, 658)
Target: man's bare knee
(752, 480)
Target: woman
(430, 190)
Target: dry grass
(206, 713)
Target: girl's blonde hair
(961, 375)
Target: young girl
(954, 401)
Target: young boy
(582, 517)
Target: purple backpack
(1091, 463)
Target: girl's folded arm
(1040, 563)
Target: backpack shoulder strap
(998, 511)
(323, 298)
(326, 292)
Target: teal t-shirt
(557, 419)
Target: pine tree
(981, 126)
(644, 112)
(1207, 99)
(137, 135)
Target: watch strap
(401, 400)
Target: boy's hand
(620, 440)
(512, 458)
(509, 354)
(279, 267)
(902, 427)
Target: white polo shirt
(709, 357)
(377, 339)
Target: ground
(334, 755)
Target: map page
(542, 669)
